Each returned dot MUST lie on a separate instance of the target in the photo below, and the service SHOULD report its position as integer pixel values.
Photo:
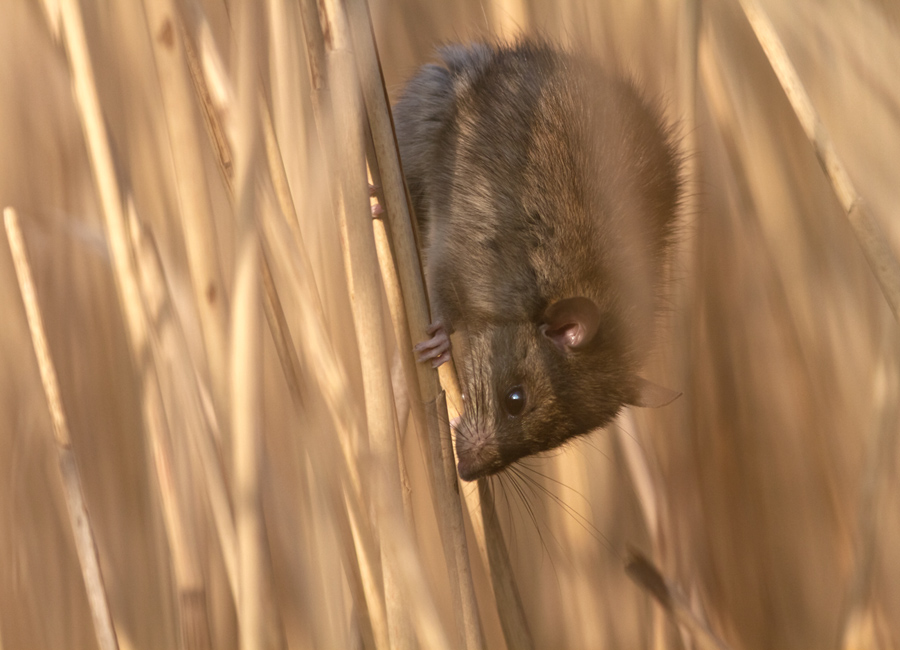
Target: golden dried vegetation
(212, 434)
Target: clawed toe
(436, 349)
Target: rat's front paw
(437, 348)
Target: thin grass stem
(80, 521)
(882, 260)
(403, 239)
(197, 218)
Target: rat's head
(529, 387)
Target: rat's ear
(571, 323)
(650, 395)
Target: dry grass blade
(653, 511)
(868, 233)
(645, 574)
(401, 363)
(194, 621)
(404, 364)
(82, 530)
(401, 328)
(322, 390)
(641, 476)
(509, 602)
(153, 157)
(316, 355)
(490, 540)
(128, 285)
(879, 469)
(223, 149)
(326, 396)
(509, 18)
(361, 262)
(185, 408)
(111, 198)
(193, 194)
(399, 214)
(215, 132)
(246, 341)
(246, 376)
(53, 16)
(278, 174)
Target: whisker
(576, 516)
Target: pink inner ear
(571, 323)
(570, 335)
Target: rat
(546, 191)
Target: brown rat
(546, 191)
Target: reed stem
(882, 260)
(403, 239)
(79, 519)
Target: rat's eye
(514, 402)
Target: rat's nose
(476, 450)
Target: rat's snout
(477, 451)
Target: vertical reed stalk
(396, 306)
(645, 488)
(246, 340)
(880, 462)
(515, 626)
(193, 193)
(490, 540)
(363, 280)
(192, 614)
(222, 146)
(85, 542)
(399, 211)
(184, 400)
(100, 156)
(196, 27)
(125, 275)
(326, 393)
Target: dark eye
(514, 402)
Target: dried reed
(278, 495)
(79, 519)
(868, 233)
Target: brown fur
(536, 177)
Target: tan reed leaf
(489, 538)
(79, 519)
(869, 234)
(323, 390)
(360, 260)
(399, 211)
(172, 360)
(246, 338)
(125, 275)
(197, 219)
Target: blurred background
(767, 495)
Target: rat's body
(546, 193)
